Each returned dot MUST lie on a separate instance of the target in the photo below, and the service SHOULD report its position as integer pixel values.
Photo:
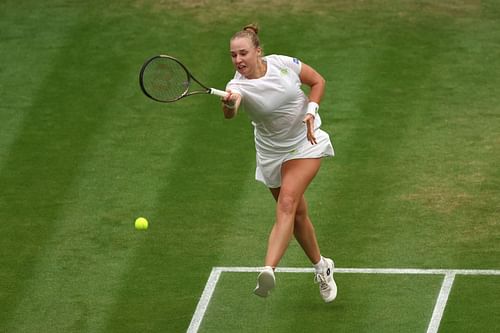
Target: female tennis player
(289, 146)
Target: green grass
(380, 303)
(473, 305)
(412, 105)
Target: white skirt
(268, 169)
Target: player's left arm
(309, 76)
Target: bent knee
(287, 203)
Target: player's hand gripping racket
(165, 79)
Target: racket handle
(218, 92)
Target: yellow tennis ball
(141, 223)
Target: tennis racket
(165, 79)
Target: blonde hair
(251, 32)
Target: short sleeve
(292, 63)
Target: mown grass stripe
(35, 174)
(94, 234)
(40, 176)
(197, 194)
(27, 60)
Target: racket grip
(218, 92)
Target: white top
(276, 105)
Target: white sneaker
(265, 282)
(327, 286)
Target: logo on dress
(284, 71)
(295, 60)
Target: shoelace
(321, 279)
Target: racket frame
(190, 78)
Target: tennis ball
(141, 223)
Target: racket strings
(165, 79)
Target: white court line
(204, 300)
(436, 315)
(406, 271)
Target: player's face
(245, 56)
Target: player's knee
(287, 203)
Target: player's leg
(303, 229)
(305, 234)
(296, 175)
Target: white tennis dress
(277, 106)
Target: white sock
(318, 267)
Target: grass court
(412, 106)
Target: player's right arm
(230, 104)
